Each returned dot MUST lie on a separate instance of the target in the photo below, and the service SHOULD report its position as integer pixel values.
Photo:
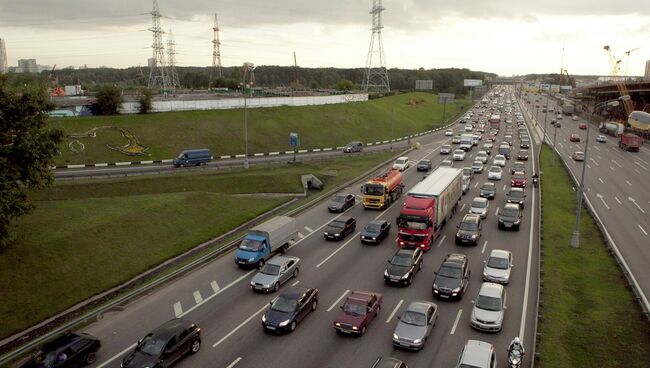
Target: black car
(388, 362)
(488, 190)
(424, 165)
(403, 266)
(70, 350)
(289, 308)
(522, 155)
(516, 195)
(165, 345)
(469, 230)
(517, 166)
(339, 228)
(341, 202)
(375, 231)
(524, 144)
(510, 217)
(452, 277)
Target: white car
(468, 128)
(497, 267)
(500, 160)
(449, 132)
(480, 206)
(574, 118)
(489, 308)
(401, 164)
(601, 138)
(482, 156)
(495, 173)
(459, 155)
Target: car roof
(387, 362)
(479, 199)
(279, 260)
(491, 289)
(62, 341)
(516, 190)
(477, 353)
(341, 219)
(419, 306)
(489, 184)
(511, 206)
(377, 222)
(455, 258)
(405, 251)
(294, 292)
(470, 217)
(170, 328)
(360, 296)
(402, 158)
(499, 253)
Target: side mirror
(457, 226)
(505, 307)
(484, 262)
(399, 318)
(435, 272)
(340, 306)
(473, 302)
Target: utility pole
(376, 76)
(171, 53)
(157, 72)
(215, 72)
(575, 238)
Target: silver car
(497, 267)
(489, 308)
(276, 272)
(480, 206)
(415, 325)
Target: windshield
(479, 204)
(401, 260)
(400, 162)
(495, 169)
(487, 187)
(251, 245)
(468, 226)
(355, 309)
(151, 345)
(284, 304)
(412, 222)
(337, 224)
(510, 212)
(373, 189)
(516, 194)
(451, 272)
(498, 263)
(270, 269)
(414, 318)
(488, 303)
(518, 176)
(373, 228)
(338, 199)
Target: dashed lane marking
(394, 310)
(215, 286)
(338, 300)
(234, 362)
(309, 230)
(441, 240)
(197, 297)
(453, 329)
(178, 309)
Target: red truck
(380, 191)
(359, 309)
(630, 142)
(427, 208)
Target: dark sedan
(488, 190)
(403, 266)
(375, 231)
(510, 217)
(289, 308)
(70, 350)
(517, 196)
(452, 277)
(424, 165)
(341, 202)
(522, 155)
(339, 228)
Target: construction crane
(620, 84)
(56, 90)
(627, 58)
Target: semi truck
(382, 190)
(630, 142)
(427, 207)
(265, 240)
(495, 121)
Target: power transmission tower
(215, 72)
(376, 76)
(171, 53)
(157, 73)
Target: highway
(616, 183)
(218, 298)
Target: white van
(402, 163)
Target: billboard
(424, 85)
(472, 82)
(445, 97)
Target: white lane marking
(394, 310)
(617, 164)
(217, 293)
(637, 171)
(338, 249)
(594, 161)
(504, 187)
(641, 166)
(121, 353)
(617, 200)
(642, 229)
(600, 196)
(589, 167)
(628, 183)
(215, 286)
(601, 181)
(611, 168)
(295, 283)
(597, 149)
(178, 309)
(234, 362)
(300, 235)
(338, 300)
(441, 240)
(309, 230)
(462, 207)
(484, 245)
(453, 329)
(560, 144)
(644, 161)
(240, 326)
(496, 213)
(636, 204)
(197, 297)
(598, 157)
(476, 185)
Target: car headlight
(374, 238)
(337, 234)
(404, 277)
(267, 286)
(251, 259)
(517, 222)
(284, 323)
(395, 337)
(326, 233)
(386, 273)
(263, 317)
(417, 341)
(474, 236)
(252, 283)
(337, 324)
(456, 290)
(355, 328)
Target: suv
(355, 146)
(452, 277)
(402, 163)
(469, 230)
(516, 195)
(477, 354)
(73, 350)
(167, 343)
(510, 217)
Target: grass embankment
(167, 134)
(86, 237)
(590, 317)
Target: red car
(574, 138)
(492, 137)
(518, 180)
(359, 309)
(582, 126)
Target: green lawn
(590, 318)
(87, 236)
(166, 134)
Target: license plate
(404, 344)
(508, 225)
(240, 261)
(444, 296)
(394, 279)
(271, 327)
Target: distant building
(4, 66)
(646, 75)
(27, 66)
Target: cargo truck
(382, 190)
(428, 206)
(630, 142)
(612, 128)
(265, 240)
(466, 142)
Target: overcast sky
(500, 36)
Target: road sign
(445, 98)
(424, 85)
(472, 82)
(294, 140)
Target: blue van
(193, 157)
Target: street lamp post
(246, 165)
(392, 126)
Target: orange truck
(382, 190)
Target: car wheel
(196, 346)
(378, 310)
(409, 281)
(276, 287)
(420, 266)
(90, 358)
(293, 326)
(314, 305)
(363, 330)
(295, 272)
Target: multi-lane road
(616, 184)
(218, 297)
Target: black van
(193, 157)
